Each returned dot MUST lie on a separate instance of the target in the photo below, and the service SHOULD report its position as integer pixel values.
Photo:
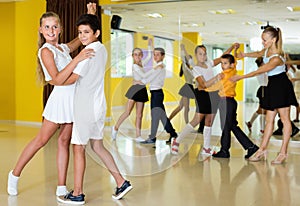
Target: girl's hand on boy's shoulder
(235, 78)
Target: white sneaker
(12, 184)
(61, 190)
(139, 139)
(113, 133)
(206, 151)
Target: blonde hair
(41, 40)
(275, 32)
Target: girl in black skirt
(279, 93)
(187, 90)
(136, 94)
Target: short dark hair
(161, 50)
(89, 19)
(229, 57)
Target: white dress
(89, 98)
(59, 106)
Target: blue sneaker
(72, 200)
(122, 191)
(149, 141)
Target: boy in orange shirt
(228, 108)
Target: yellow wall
(28, 92)
(7, 63)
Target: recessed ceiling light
(295, 8)
(155, 15)
(222, 11)
(140, 27)
(250, 23)
(201, 24)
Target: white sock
(61, 190)
(262, 122)
(186, 130)
(254, 116)
(12, 184)
(206, 137)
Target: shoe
(174, 147)
(200, 130)
(262, 131)
(72, 200)
(259, 155)
(249, 126)
(170, 139)
(61, 190)
(12, 184)
(277, 132)
(294, 131)
(113, 133)
(279, 159)
(222, 154)
(251, 151)
(206, 151)
(139, 139)
(296, 120)
(122, 191)
(149, 141)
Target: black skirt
(260, 93)
(137, 93)
(207, 102)
(187, 91)
(279, 93)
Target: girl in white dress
(54, 66)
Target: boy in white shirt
(158, 112)
(90, 111)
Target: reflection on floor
(157, 176)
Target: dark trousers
(229, 123)
(158, 112)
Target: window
(167, 44)
(121, 48)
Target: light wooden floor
(158, 177)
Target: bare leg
(79, 168)
(129, 107)
(47, 130)
(270, 117)
(139, 117)
(177, 109)
(108, 160)
(186, 105)
(287, 128)
(62, 158)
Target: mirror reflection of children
(263, 81)
(90, 112)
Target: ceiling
(182, 16)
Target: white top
(156, 77)
(59, 107)
(138, 72)
(206, 73)
(277, 70)
(89, 99)
(187, 72)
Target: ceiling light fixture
(222, 11)
(292, 9)
(155, 15)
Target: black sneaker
(123, 190)
(149, 141)
(295, 130)
(277, 132)
(222, 154)
(251, 151)
(72, 200)
(171, 137)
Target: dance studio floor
(158, 178)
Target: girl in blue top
(279, 94)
